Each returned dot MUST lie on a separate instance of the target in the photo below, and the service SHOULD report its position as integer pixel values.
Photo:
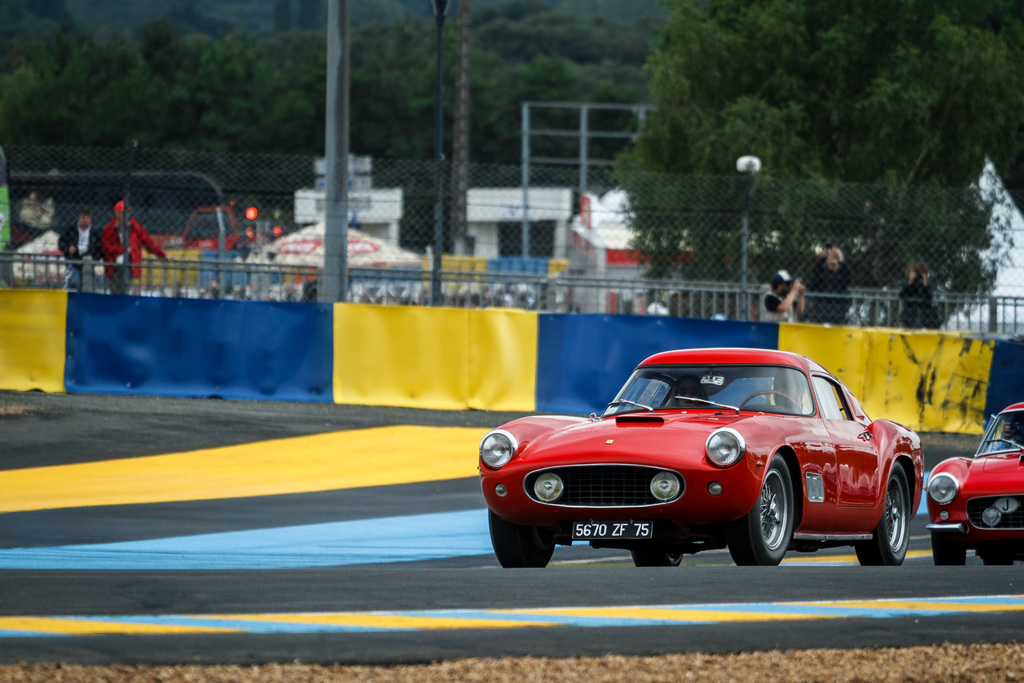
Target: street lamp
(749, 165)
(441, 8)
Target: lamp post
(441, 8)
(749, 165)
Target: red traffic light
(251, 213)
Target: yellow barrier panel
(435, 358)
(557, 266)
(503, 360)
(156, 275)
(32, 334)
(401, 356)
(840, 350)
(929, 381)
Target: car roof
(734, 356)
(1013, 407)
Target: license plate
(604, 531)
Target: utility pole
(460, 134)
(332, 286)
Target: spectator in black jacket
(917, 309)
(77, 241)
(828, 288)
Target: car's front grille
(603, 485)
(1009, 520)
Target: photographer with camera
(916, 307)
(785, 300)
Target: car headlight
(497, 448)
(725, 447)
(943, 487)
(665, 485)
(548, 487)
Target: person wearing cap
(76, 242)
(785, 300)
(113, 249)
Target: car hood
(1004, 463)
(626, 436)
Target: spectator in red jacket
(113, 249)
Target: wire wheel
(774, 511)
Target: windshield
(762, 388)
(1005, 433)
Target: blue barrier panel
(1005, 377)
(584, 359)
(199, 348)
(518, 264)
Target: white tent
(47, 264)
(306, 248)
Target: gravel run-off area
(998, 662)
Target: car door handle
(865, 435)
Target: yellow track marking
(851, 558)
(388, 621)
(654, 613)
(93, 627)
(320, 462)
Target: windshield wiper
(632, 403)
(710, 403)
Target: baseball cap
(120, 206)
(780, 277)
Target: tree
(906, 96)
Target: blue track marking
(392, 539)
(408, 538)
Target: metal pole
(332, 286)
(123, 275)
(584, 115)
(435, 284)
(526, 179)
(744, 238)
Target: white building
(377, 212)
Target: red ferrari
(977, 503)
(756, 450)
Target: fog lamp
(991, 516)
(714, 488)
(548, 487)
(665, 486)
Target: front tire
(518, 546)
(762, 536)
(654, 557)
(991, 559)
(888, 544)
(947, 552)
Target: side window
(830, 400)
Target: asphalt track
(145, 530)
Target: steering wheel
(766, 392)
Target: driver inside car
(1013, 428)
(687, 387)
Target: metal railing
(555, 292)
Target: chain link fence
(250, 226)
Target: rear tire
(888, 544)
(762, 536)
(947, 552)
(654, 557)
(518, 546)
